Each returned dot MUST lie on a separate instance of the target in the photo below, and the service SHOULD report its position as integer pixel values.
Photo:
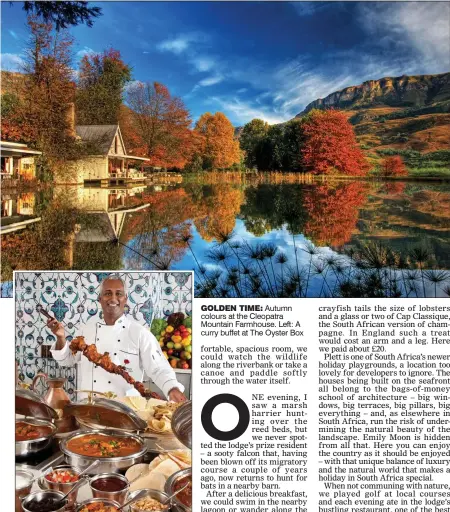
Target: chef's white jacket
(129, 344)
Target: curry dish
(185, 496)
(97, 445)
(28, 432)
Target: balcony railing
(134, 175)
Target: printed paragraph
(384, 408)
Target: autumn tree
(101, 81)
(332, 211)
(41, 115)
(160, 125)
(222, 204)
(251, 139)
(219, 148)
(158, 232)
(393, 166)
(330, 144)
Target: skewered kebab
(104, 361)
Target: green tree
(271, 150)
(101, 82)
(62, 14)
(250, 140)
(9, 103)
(280, 148)
(292, 142)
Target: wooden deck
(118, 178)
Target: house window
(116, 144)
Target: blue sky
(257, 59)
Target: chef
(129, 344)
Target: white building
(109, 162)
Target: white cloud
(212, 80)
(12, 62)
(242, 111)
(175, 45)
(13, 34)
(180, 43)
(403, 38)
(202, 63)
(423, 27)
(85, 51)
(206, 82)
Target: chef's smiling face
(113, 300)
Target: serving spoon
(42, 475)
(140, 494)
(91, 466)
(169, 499)
(80, 482)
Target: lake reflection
(178, 226)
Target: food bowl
(61, 486)
(94, 501)
(39, 502)
(33, 446)
(172, 485)
(107, 464)
(162, 497)
(182, 424)
(106, 480)
(22, 488)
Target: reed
(255, 269)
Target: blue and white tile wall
(71, 297)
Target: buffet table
(111, 440)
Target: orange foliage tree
(218, 146)
(158, 125)
(157, 232)
(330, 145)
(332, 211)
(38, 114)
(393, 166)
(216, 215)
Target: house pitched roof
(8, 148)
(102, 135)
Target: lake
(266, 235)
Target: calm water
(149, 227)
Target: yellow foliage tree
(219, 148)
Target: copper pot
(57, 399)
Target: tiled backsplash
(71, 297)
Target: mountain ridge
(402, 91)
